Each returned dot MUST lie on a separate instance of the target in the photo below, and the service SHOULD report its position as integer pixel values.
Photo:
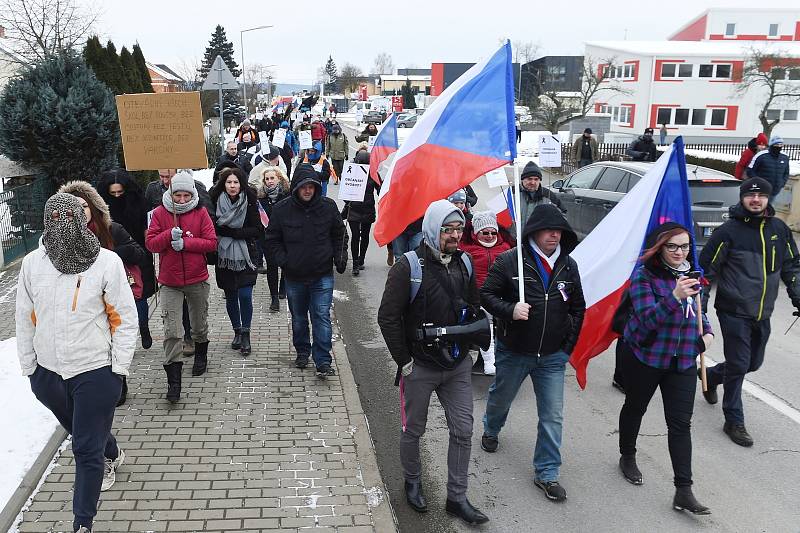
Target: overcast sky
(413, 33)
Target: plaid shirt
(659, 329)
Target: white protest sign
(262, 138)
(354, 182)
(305, 139)
(371, 142)
(549, 151)
(359, 116)
(279, 138)
(497, 178)
(295, 115)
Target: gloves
(177, 244)
(177, 233)
(797, 312)
(341, 267)
(226, 231)
(407, 368)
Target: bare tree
(189, 70)
(775, 75)
(259, 80)
(383, 64)
(350, 77)
(524, 51)
(558, 108)
(38, 29)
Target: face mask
(647, 137)
(775, 150)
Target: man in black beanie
(534, 193)
(747, 257)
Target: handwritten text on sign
(162, 130)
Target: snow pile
(26, 424)
(205, 176)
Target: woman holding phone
(664, 341)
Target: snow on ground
(26, 424)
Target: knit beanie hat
(761, 139)
(482, 220)
(755, 184)
(183, 181)
(459, 196)
(454, 216)
(531, 169)
(775, 139)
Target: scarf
(488, 244)
(233, 254)
(273, 193)
(69, 244)
(676, 272)
(179, 209)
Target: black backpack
(623, 313)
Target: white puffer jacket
(74, 323)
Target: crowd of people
(454, 269)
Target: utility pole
(244, 81)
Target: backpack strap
(467, 263)
(415, 275)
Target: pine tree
(133, 84)
(72, 143)
(408, 95)
(219, 45)
(141, 67)
(333, 76)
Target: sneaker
(324, 371)
(302, 361)
(552, 490)
(738, 434)
(110, 470)
(488, 443)
(711, 394)
(84, 529)
(489, 370)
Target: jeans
(261, 253)
(547, 375)
(663, 140)
(325, 188)
(677, 393)
(143, 310)
(359, 240)
(584, 162)
(239, 304)
(744, 342)
(405, 242)
(84, 406)
(312, 298)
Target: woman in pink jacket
(182, 233)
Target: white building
(689, 82)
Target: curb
(383, 516)
(19, 498)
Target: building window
(622, 72)
(790, 114)
(706, 71)
(699, 117)
(664, 115)
(718, 117)
(685, 70)
(730, 29)
(773, 30)
(773, 114)
(619, 114)
(682, 116)
(794, 74)
(668, 70)
(691, 117)
(724, 72)
(676, 70)
(720, 71)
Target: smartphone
(695, 274)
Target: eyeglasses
(674, 247)
(449, 230)
(488, 233)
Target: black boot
(414, 496)
(200, 358)
(246, 342)
(144, 332)
(685, 500)
(236, 343)
(355, 268)
(630, 470)
(361, 264)
(173, 381)
(123, 396)
(275, 305)
(466, 512)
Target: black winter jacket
(747, 257)
(773, 168)
(251, 230)
(306, 239)
(553, 324)
(399, 319)
(643, 150)
(124, 246)
(363, 212)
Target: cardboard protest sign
(305, 139)
(354, 182)
(279, 138)
(549, 151)
(162, 130)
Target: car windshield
(712, 192)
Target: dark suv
(375, 117)
(589, 193)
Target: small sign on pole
(263, 138)
(353, 186)
(549, 151)
(497, 177)
(279, 138)
(371, 142)
(305, 139)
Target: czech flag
(467, 132)
(502, 206)
(608, 256)
(385, 144)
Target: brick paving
(254, 445)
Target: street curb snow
(384, 519)
(12, 510)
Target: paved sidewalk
(254, 445)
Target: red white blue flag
(385, 144)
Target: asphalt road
(748, 490)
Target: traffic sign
(219, 77)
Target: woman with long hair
(238, 225)
(663, 340)
(112, 236)
(273, 187)
(128, 207)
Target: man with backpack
(434, 286)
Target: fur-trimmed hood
(91, 195)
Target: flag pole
(518, 224)
(699, 312)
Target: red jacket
(187, 267)
(744, 160)
(483, 257)
(318, 131)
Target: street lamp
(244, 81)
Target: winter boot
(355, 268)
(123, 396)
(236, 343)
(246, 342)
(173, 371)
(684, 500)
(144, 332)
(630, 470)
(275, 305)
(361, 264)
(200, 358)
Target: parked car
(407, 122)
(403, 116)
(374, 116)
(589, 193)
